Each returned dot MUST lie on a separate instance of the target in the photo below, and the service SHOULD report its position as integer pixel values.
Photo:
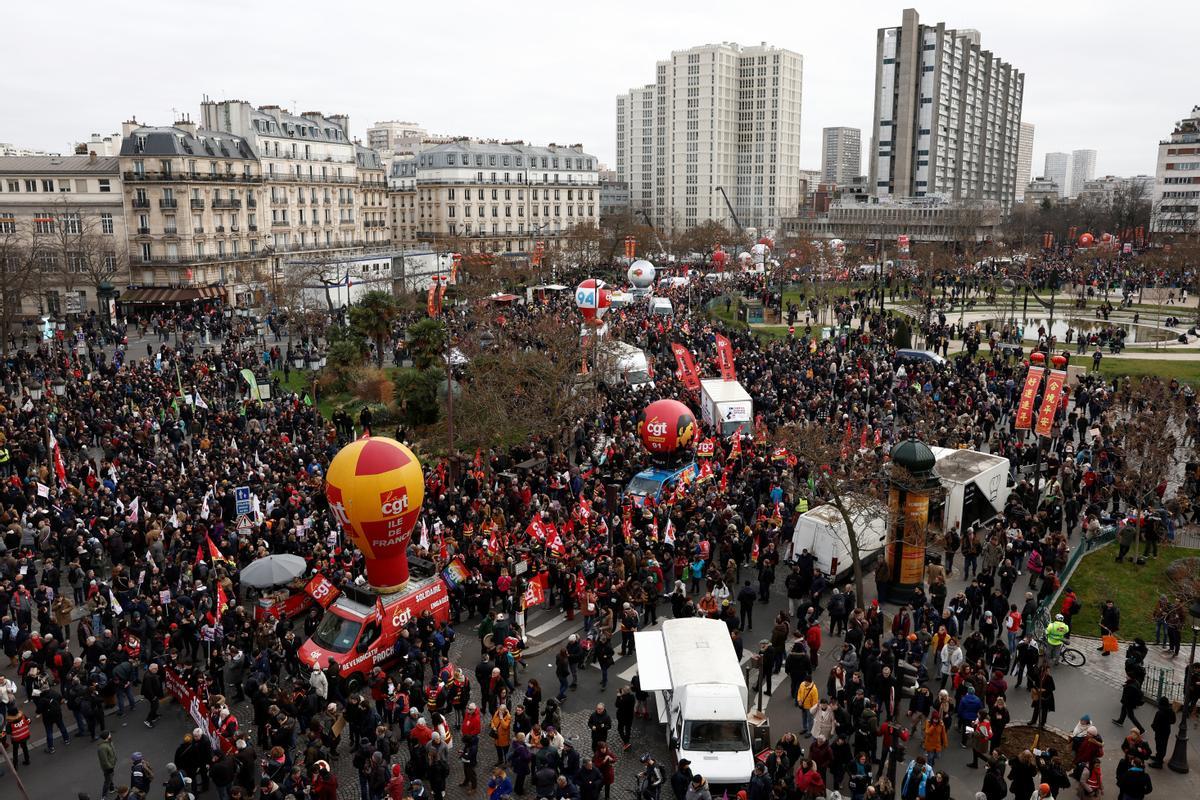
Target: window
(105, 185)
(30, 185)
(106, 223)
(47, 185)
(43, 224)
(8, 223)
(14, 186)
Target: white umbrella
(273, 570)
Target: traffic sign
(242, 495)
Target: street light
(1179, 758)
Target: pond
(1133, 333)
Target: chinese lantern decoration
(375, 488)
(666, 426)
(593, 299)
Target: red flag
(60, 469)
(580, 583)
(724, 481)
(668, 532)
(199, 554)
(863, 442)
(735, 447)
(685, 367)
(536, 529)
(725, 358)
(584, 510)
(627, 529)
(555, 543)
(602, 527)
(222, 599)
(213, 552)
(706, 472)
(493, 543)
(878, 437)
(535, 590)
(754, 549)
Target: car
(905, 355)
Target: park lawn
(1185, 371)
(300, 382)
(1134, 589)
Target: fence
(1161, 682)
(1086, 546)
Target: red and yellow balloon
(375, 488)
(666, 426)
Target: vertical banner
(686, 366)
(725, 358)
(1033, 379)
(1050, 401)
(431, 301)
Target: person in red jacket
(18, 732)
(325, 784)
(472, 723)
(395, 784)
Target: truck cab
(691, 669)
(652, 483)
(356, 638)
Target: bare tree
(1151, 433)
(21, 273)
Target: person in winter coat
(698, 789)
(603, 759)
(1091, 783)
(967, 711)
(1131, 698)
(935, 740)
(1022, 771)
(807, 697)
(916, 779)
(1163, 723)
(1135, 783)
(106, 754)
(590, 781)
(824, 720)
(1090, 747)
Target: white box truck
(976, 486)
(620, 362)
(725, 406)
(701, 695)
(822, 532)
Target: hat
(683, 762)
(136, 757)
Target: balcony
(199, 231)
(226, 203)
(143, 231)
(141, 202)
(252, 228)
(170, 231)
(153, 176)
(168, 202)
(251, 203)
(233, 228)
(219, 229)
(279, 223)
(197, 205)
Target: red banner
(322, 590)
(196, 707)
(1050, 401)
(535, 590)
(686, 367)
(706, 448)
(725, 359)
(1033, 379)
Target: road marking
(549, 626)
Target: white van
(701, 694)
(661, 307)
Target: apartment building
(719, 118)
(841, 155)
(1024, 159)
(375, 217)
(1176, 201)
(496, 197)
(947, 115)
(64, 216)
(193, 200)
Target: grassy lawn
(300, 382)
(1185, 371)
(1134, 589)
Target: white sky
(1108, 75)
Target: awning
(502, 298)
(654, 675)
(153, 296)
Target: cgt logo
(394, 502)
(656, 428)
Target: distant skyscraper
(1083, 169)
(717, 116)
(1024, 159)
(947, 115)
(841, 155)
(1058, 169)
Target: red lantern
(1037, 357)
(666, 426)
(1086, 240)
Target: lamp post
(1179, 757)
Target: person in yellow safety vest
(802, 505)
(5, 459)
(1056, 634)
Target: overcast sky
(1102, 74)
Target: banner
(431, 301)
(1028, 394)
(535, 590)
(1050, 401)
(456, 571)
(196, 707)
(725, 358)
(322, 590)
(686, 367)
(706, 448)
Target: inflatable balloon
(593, 299)
(375, 488)
(718, 260)
(837, 246)
(640, 274)
(666, 426)
(768, 241)
(1086, 240)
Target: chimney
(128, 127)
(92, 157)
(342, 121)
(187, 126)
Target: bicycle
(1071, 656)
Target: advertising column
(908, 501)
